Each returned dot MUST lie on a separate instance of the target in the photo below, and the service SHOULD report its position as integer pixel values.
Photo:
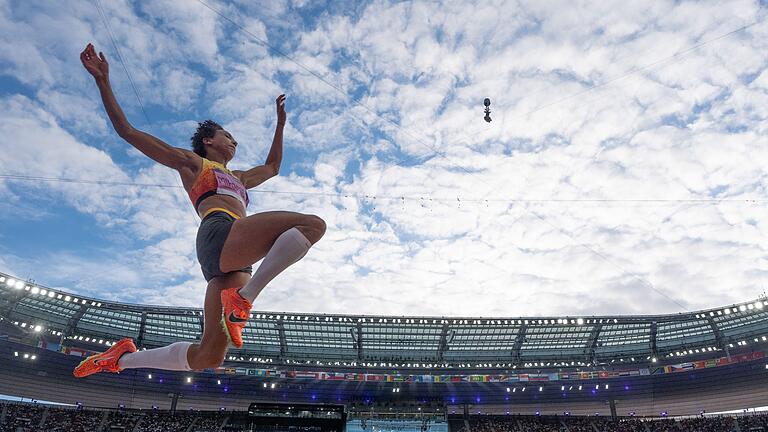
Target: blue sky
(623, 172)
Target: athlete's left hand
(280, 102)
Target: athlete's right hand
(95, 65)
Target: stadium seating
(30, 417)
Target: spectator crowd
(26, 417)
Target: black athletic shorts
(211, 236)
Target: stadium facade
(709, 360)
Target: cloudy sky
(623, 171)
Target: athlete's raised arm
(258, 175)
(154, 148)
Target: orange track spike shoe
(106, 361)
(235, 313)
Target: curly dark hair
(206, 129)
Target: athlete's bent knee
(213, 361)
(318, 224)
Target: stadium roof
(358, 341)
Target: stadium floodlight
(265, 385)
(541, 388)
(189, 380)
(750, 306)
(742, 308)
(523, 389)
(759, 305)
(37, 329)
(43, 292)
(32, 357)
(579, 388)
(653, 360)
(2, 279)
(562, 388)
(26, 356)
(149, 376)
(515, 389)
(67, 298)
(606, 386)
(51, 294)
(507, 389)
(597, 387)
(11, 282)
(727, 311)
(272, 385)
(35, 290)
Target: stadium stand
(711, 360)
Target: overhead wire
(401, 197)
(108, 29)
(120, 57)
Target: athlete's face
(224, 144)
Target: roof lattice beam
(443, 347)
(519, 343)
(281, 333)
(359, 341)
(719, 338)
(142, 328)
(72, 322)
(592, 342)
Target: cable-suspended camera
(487, 103)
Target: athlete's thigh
(251, 237)
(214, 339)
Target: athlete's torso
(213, 185)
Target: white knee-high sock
(171, 357)
(289, 247)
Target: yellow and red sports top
(216, 179)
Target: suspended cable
(119, 56)
(404, 197)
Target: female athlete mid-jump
(228, 241)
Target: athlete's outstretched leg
(179, 356)
(212, 349)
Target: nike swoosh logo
(236, 320)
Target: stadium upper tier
(406, 342)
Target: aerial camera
(487, 103)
